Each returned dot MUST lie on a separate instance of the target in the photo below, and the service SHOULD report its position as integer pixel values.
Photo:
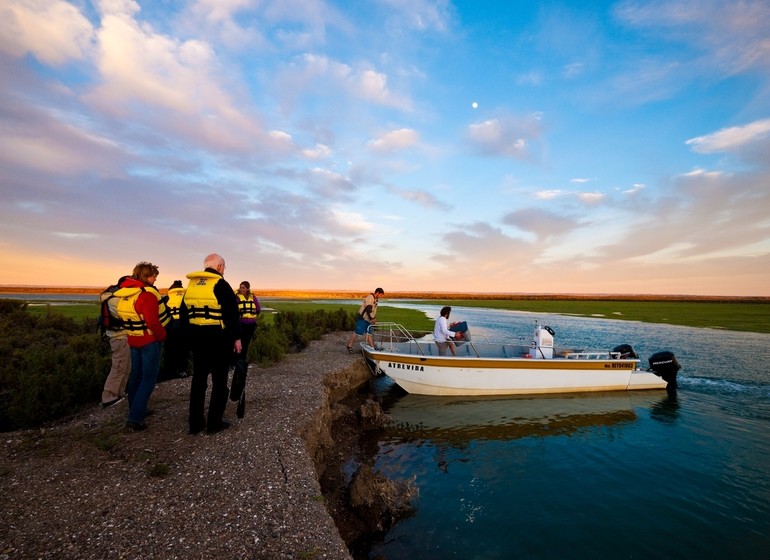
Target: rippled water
(620, 475)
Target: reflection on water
(667, 409)
(456, 421)
(613, 475)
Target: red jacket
(147, 306)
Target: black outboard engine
(626, 351)
(665, 365)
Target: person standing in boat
(367, 315)
(442, 335)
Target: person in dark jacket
(209, 314)
(175, 349)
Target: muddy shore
(87, 488)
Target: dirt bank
(87, 488)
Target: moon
(475, 105)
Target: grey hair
(213, 261)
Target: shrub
(52, 366)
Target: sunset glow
(506, 147)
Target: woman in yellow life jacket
(143, 312)
(248, 310)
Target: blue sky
(555, 147)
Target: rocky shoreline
(87, 488)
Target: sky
(417, 145)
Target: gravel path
(90, 489)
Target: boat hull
(477, 376)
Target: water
(621, 475)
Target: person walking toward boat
(367, 315)
(210, 313)
(442, 335)
(143, 312)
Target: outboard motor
(542, 346)
(664, 364)
(626, 351)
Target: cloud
(219, 19)
(731, 34)
(573, 70)
(507, 137)
(421, 197)
(477, 249)
(172, 88)
(329, 184)
(314, 74)
(530, 79)
(53, 31)
(54, 143)
(422, 14)
(731, 139)
(541, 223)
(549, 194)
(635, 188)
(591, 197)
(395, 140)
(319, 151)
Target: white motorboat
(500, 368)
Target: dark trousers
(175, 351)
(247, 335)
(211, 355)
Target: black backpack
(106, 320)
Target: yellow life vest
(175, 297)
(133, 323)
(246, 306)
(202, 305)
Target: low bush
(52, 366)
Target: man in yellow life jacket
(209, 313)
(143, 313)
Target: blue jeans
(145, 363)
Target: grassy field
(752, 317)
(743, 316)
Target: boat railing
(388, 335)
(395, 337)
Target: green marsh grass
(750, 317)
